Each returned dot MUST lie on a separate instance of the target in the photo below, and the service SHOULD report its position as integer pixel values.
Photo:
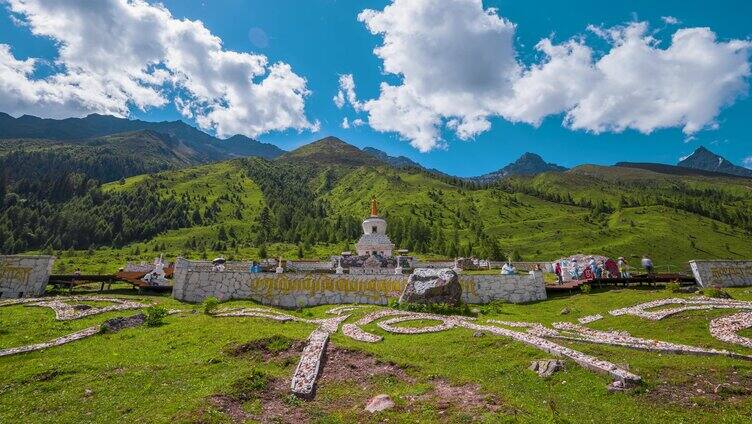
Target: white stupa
(374, 239)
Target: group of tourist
(598, 269)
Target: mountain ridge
(705, 160)
(205, 148)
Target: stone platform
(194, 282)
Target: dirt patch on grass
(702, 389)
(343, 365)
(265, 399)
(49, 375)
(274, 347)
(466, 398)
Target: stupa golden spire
(374, 207)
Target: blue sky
(322, 39)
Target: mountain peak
(395, 161)
(332, 140)
(530, 158)
(527, 164)
(333, 151)
(702, 149)
(241, 145)
(705, 160)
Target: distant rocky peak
(705, 160)
(527, 164)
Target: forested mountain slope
(198, 146)
(309, 203)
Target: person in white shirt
(647, 263)
(508, 269)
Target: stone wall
(24, 276)
(520, 288)
(307, 266)
(196, 283)
(526, 266)
(434, 264)
(722, 273)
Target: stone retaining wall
(194, 284)
(520, 288)
(722, 273)
(306, 266)
(433, 264)
(24, 276)
(526, 266)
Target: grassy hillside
(309, 203)
(175, 372)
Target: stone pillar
(456, 268)
(24, 276)
(339, 269)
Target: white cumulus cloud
(115, 54)
(636, 84)
(346, 93)
(747, 162)
(458, 68)
(670, 20)
(456, 61)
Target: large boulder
(427, 285)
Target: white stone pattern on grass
(691, 304)
(582, 359)
(355, 332)
(304, 379)
(579, 333)
(307, 372)
(586, 361)
(342, 309)
(255, 313)
(78, 335)
(388, 325)
(67, 312)
(590, 318)
(725, 328)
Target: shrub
(673, 287)
(292, 400)
(717, 293)
(585, 288)
(155, 316)
(495, 307)
(210, 305)
(245, 388)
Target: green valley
(309, 202)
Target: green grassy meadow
(174, 372)
(529, 225)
